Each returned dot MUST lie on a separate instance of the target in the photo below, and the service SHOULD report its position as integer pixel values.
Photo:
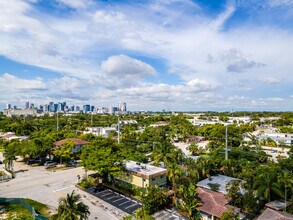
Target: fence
(25, 205)
(7, 175)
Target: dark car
(1, 162)
(72, 163)
(99, 188)
(33, 161)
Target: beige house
(143, 175)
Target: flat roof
(220, 180)
(143, 169)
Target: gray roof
(220, 180)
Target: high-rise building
(32, 106)
(120, 104)
(124, 109)
(86, 108)
(8, 106)
(27, 105)
(77, 108)
(72, 108)
(92, 108)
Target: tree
(164, 154)
(174, 174)
(234, 192)
(71, 208)
(104, 156)
(65, 150)
(188, 202)
(153, 199)
(193, 148)
(266, 183)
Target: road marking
(58, 194)
(118, 200)
(63, 188)
(124, 203)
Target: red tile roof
(75, 140)
(270, 214)
(213, 203)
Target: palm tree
(174, 174)
(164, 154)
(193, 148)
(71, 208)
(265, 183)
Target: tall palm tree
(164, 154)
(71, 208)
(174, 174)
(266, 183)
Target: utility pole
(91, 119)
(57, 122)
(226, 152)
(153, 145)
(118, 129)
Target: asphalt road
(47, 187)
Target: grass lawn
(39, 207)
(16, 212)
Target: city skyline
(178, 55)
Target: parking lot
(125, 203)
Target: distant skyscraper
(77, 108)
(92, 108)
(124, 109)
(27, 105)
(32, 105)
(8, 106)
(120, 106)
(86, 108)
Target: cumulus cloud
(10, 82)
(122, 69)
(194, 52)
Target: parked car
(33, 161)
(50, 164)
(1, 162)
(72, 163)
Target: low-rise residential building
(8, 136)
(143, 175)
(99, 131)
(279, 138)
(196, 139)
(271, 214)
(159, 124)
(212, 196)
(213, 204)
(78, 143)
(219, 182)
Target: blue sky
(157, 54)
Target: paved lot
(47, 187)
(126, 204)
(170, 214)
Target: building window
(161, 176)
(143, 179)
(153, 179)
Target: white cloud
(123, 69)
(10, 82)
(198, 50)
(76, 4)
(269, 80)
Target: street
(47, 187)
